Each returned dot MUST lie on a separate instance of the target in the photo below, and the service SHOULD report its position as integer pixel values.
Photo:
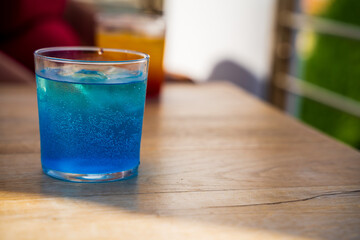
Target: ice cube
(89, 76)
(66, 71)
(116, 74)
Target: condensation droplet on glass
(100, 51)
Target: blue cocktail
(91, 118)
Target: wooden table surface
(215, 164)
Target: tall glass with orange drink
(140, 32)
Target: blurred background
(302, 56)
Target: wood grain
(215, 164)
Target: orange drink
(139, 33)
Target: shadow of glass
(122, 194)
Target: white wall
(201, 33)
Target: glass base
(104, 177)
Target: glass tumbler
(91, 106)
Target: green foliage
(345, 11)
(334, 64)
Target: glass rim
(143, 57)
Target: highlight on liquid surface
(90, 122)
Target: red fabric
(16, 14)
(34, 24)
(49, 33)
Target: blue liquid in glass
(90, 123)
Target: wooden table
(215, 164)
